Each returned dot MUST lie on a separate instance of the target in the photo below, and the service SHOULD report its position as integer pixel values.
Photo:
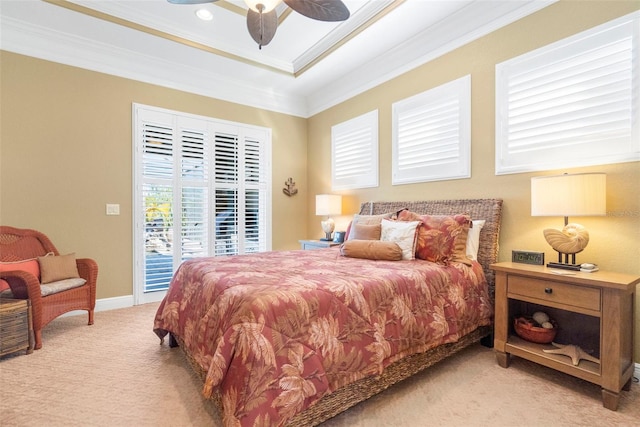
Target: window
(354, 153)
(432, 134)
(573, 103)
(202, 189)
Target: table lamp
(328, 204)
(582, 194)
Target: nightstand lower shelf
(587, 370)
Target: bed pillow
(28, 265)
(403, 233)
(366, 231)
(365, 220)
(54, 268)
(473, 238)
(371, 249)
(441, 238)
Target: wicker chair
(22, 244)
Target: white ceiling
(308, 66)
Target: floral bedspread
(276, 331)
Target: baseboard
(105, 304)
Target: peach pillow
(54, 268)
(441, 238)
(371, 249)
(366, 231)
(366, 220)
(29, 265)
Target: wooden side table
(16, 326)
(317, 244)
(593, 310)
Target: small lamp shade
(583, 194)
(328, 204)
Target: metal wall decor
(290, 189)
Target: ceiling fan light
(267, 5)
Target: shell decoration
(572, 239)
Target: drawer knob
(548, 290)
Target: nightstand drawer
(559, 293)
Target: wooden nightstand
(593, 311)
(317, 244)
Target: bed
(296, 337)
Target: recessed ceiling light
(204, 14)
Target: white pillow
(403, 233)
(473, 239)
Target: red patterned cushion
(441, 238)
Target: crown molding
(40, 42)
(43, 43)
(430, 44)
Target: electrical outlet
(113, 209)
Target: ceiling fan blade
(321, 10)
(191, 1)
(262, 26)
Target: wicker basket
(526, 329)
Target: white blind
(204, 190)
(432, 134)
(572, 103)
(354, 153)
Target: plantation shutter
(432, 134)
(203, 190)
(354, 153)
(572, 103)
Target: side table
(594, 311)
(317, 244)
(16, 327)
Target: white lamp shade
(583, 194)
(328, 204)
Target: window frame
(418, 123)
(192, 167)
(354, 153)
(521, 144)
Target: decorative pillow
(371, 249)
(403, 233)
(441, 238)
(473, 238)
(365, 220)
(366, 232)
(54, 268)
(28, 265)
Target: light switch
(113, 209)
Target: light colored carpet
(115, 373)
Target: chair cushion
(52, 287)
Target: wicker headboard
(488, 209)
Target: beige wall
(615, 239)
(66, 151)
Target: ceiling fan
(262, 19)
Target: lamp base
(328, 238)
(564, 266)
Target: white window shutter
(573, 103)
(354, 153)
(431, 136)
(202, 188)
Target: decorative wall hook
(291, 187)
